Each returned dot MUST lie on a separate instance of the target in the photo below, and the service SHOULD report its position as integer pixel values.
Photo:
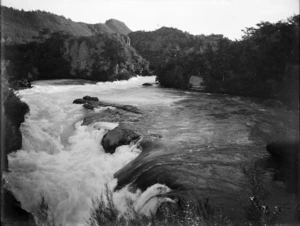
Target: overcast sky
(226, 17)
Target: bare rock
(147, 84)
(89, 98)
(79, 101)
(89, 106)
(117, 137)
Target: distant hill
(20, 26)
(166, 43)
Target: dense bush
(265, 63)
(168, 44)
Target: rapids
(206, 138)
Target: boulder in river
(117, 137)
(147, 84)
(90, 98)
(79, 101)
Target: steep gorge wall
(103, 57)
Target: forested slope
(23, 26)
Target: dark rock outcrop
(90, 98)
(89, 106)
(286, 155)
(79, 101)
(117, 137)
(13, 112)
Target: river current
(205, 140)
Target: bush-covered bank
(104, 57)
(264, 63)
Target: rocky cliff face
(103, 57)
(13, 112)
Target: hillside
(265, 63)
(21, 26)
(165, 44)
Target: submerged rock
(111, 115)
(286, 155)
(149, 140)
(117, 137)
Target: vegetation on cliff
(22, 26)
(264, 63)
(103, 57)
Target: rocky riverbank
(13, 112)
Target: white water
(64, 161)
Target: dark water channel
(208, 140)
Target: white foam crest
(69, 179)
(145, 203)
(123, 92)
(44, 87)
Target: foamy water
(64, 161)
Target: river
(205, 141)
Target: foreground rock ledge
(93, 102)
(119, 136)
